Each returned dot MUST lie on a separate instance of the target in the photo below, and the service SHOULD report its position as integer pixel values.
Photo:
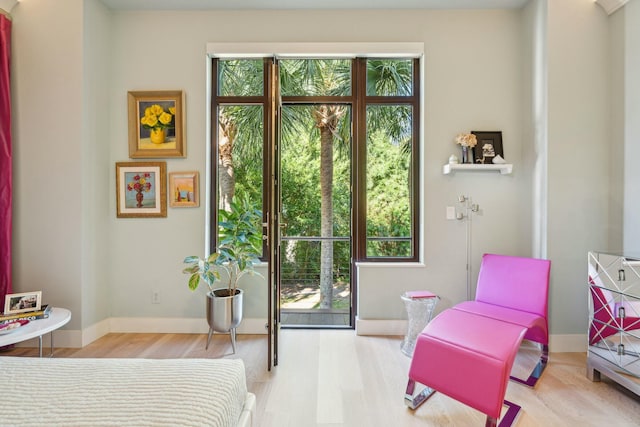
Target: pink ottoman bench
(467, 357)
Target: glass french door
(315, 237)
(300, 137)
(272, 216)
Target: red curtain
(5, 159)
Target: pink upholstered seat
(469, 358)
(536, 325)
(516, 290)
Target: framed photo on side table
(141, 189)
(489, 145)
(183, 189)
(156, 124)
(21, 303)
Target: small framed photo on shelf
(141, 189)
(489, 146)
(156, 124)
(183, 190)
(21, 303)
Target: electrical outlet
(155, 297)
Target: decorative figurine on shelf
(466, 141)
(453, 160)
(498, 160)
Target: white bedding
(123, 392)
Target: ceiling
(311, 4)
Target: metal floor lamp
(468, 207)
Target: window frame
(360, 162)
(359, 106)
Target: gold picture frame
(184, 189)
(156, 124)
(141, 189)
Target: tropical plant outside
(316, 161)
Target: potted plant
(237, 254)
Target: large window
(390, 160)
(367, 107)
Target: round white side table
(37, 328)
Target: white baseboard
(574, 343)
(61, 338)
(145, 325)
(380, 327)
(158, 325)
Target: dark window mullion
(213, 201)
(360, 161)
(267, 143)
(318, 99)
(240, 100)
(372, 100)
(415, 158)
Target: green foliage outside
(388, 168)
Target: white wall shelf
(504, 169)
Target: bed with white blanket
(124, 392)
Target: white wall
(74, 66)
(48, 110)
(535, 134)
(631, 127)
(472, 82)
(617, 128)
(96, 140)
(578, 142)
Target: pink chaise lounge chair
(467, 351)
(516, 290)
(468, 357)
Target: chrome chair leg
(537, 371)
(508, 418)
(414, 401)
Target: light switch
(451, 212)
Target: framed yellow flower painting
(156, 124)
(141, 189)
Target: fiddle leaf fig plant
(238, 251)
(240, 234)
(202, 269)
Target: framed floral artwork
(183, 189)
(156, 124)
(141, 189)
(489, 145)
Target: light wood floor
(335, 378)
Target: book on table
(43, 313)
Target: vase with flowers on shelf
(466, 141)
